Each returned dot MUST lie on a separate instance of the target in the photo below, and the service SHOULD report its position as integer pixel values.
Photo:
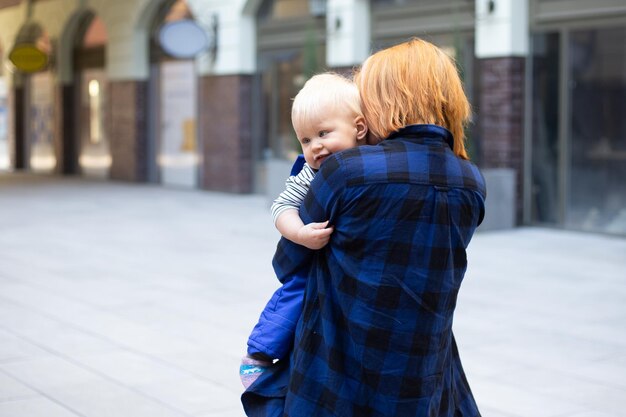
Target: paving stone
(11, 389)
(13, 348)
(34, 407)
(193, 395)
(506, 399)
(571, 388)
(101, 398)
(135, 300)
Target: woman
(375, 336)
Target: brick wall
(225, 133)
(9, 3)
(128, 130)
(501, 117)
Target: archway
(35, 145)
(173, 89)
(5, 159)
(90, 81)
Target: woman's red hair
(413, 83)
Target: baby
(327, 118)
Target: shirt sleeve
(321, 203)
(296, 188)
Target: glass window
(95, 156)
(96, 34)
(284, 74)
(178, 157)
(460, 46)
(597, 126)
(178, 11)
(5, 161)
(174, 152)
(41, 122)
(288, 55)
(545, 128)
(386, 3)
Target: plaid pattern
(266, 396)
(375, 337)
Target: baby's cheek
(309, 159)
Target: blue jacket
(274, 332)
(375, 334)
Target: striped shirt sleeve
(296, 188)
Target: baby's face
(323, 136)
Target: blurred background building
(197, 93)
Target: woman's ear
(361, 129)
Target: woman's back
(375, 335)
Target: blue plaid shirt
(375, 336)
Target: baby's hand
(314, 235)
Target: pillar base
(226, 133)
(502, 118)
(128, 130)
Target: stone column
(20, 141)
(67, 144)
(501, 49)
(348, 33)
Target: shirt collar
(424, 132)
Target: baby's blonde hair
(413, 83)
(326, 93)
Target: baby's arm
(312, 235)
(286, 217)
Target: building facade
(546, 79)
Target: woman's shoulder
(355, 159)
(397, 161)
(359, 153)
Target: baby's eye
(323, 133)
(305, 141)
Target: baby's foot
(250, 369)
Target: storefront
(291, 46)
(30, 57)
(40, 123)
(174, 85)
(546, 80)
(5, 108)
(448, 24)
(577, 124)
(94, 155)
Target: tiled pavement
(125, 300)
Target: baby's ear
(361, 128)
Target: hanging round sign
(183, 38)
(28, 58)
